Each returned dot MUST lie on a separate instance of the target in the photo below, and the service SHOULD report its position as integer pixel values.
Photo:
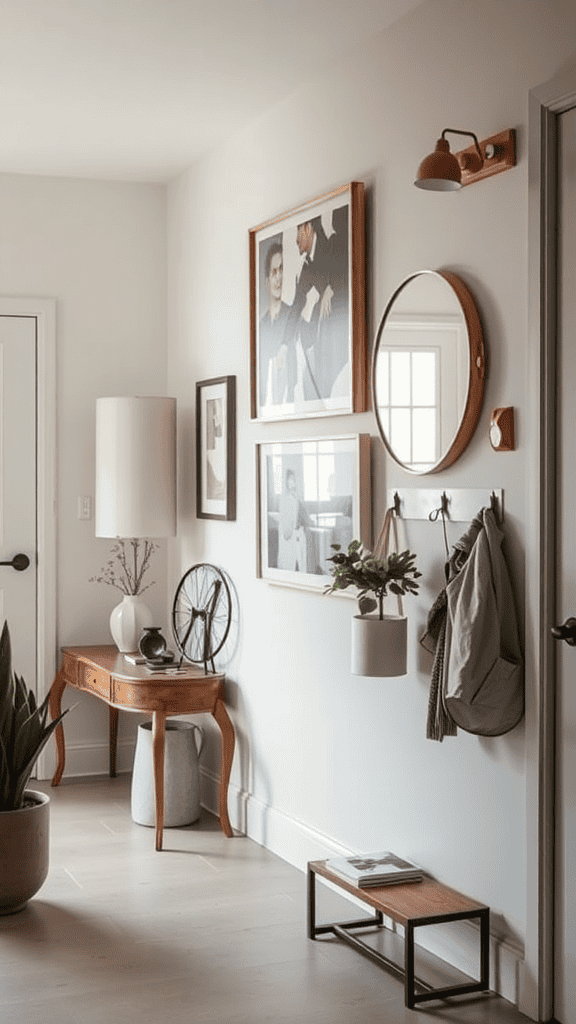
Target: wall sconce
(443, 171)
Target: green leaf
(23, 729)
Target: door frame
(546, 103)
(44, 312)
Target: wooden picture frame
(307, 309)
(312, 493)
(216, 448)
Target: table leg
(409, 965)
(227, 730)
(158, 756)
(113, 739)
(311, 915)
(485, 948)
(55, 705)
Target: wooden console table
(410, 905)
(105, 673)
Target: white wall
(326, 761)
(99, 249)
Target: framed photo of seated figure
(216, 448)
(307, 309)
(312, 493)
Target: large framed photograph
(307, 309)
(311, 494)
(216, 448)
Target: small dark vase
(152, 643)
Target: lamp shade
(440, 171)
(135, 467)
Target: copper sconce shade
(440, 171)
(443, 171)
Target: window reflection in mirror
(422, 371)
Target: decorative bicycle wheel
(201, 613)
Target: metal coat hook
(442, 511)
(456, 505)
(495, 507)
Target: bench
(410, 905)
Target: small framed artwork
(307, 309)
(311, 494)
(216, 448)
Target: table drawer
(124, 694)
(175, 698)
(97, 681)
(69, 669)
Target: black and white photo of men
(318, 317)
(307, 344)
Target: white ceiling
(139, 89)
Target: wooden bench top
(408, 902)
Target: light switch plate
(85, 506)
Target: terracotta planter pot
(24, 852)
(379, 646)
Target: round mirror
(428, 371)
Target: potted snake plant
(379, 642)
(24, 813)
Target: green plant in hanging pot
(24, 813)
(379, 642)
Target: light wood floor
(209, 930)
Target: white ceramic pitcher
(182, 748)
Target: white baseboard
(457, 944)
(89, 759)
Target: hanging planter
(379, 642)
(379, 646)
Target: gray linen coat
(477, 677)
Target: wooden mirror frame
(476, 378)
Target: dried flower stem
(119, 573)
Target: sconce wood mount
(498, 151)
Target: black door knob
(19, 562)
(567, 632)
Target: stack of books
(375, 869)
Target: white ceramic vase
(379, 646)
(127, 622)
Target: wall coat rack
(460, 505)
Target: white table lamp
(135, 486)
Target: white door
(18, 514)
(565, 802)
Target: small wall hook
(442, 511)
(496, 507)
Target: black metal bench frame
(411, 982)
